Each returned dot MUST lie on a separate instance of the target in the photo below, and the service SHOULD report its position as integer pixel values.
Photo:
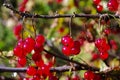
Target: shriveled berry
(107, 31)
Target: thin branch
(28, 15)
(83, 66)
(52, 69)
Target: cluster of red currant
(23, 5)
(103, 47)
(70, 47)
(25, 47)
(113, 45)
(112, 5)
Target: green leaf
(103, 66)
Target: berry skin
(36, 57)
(38, 48)
(31, 71)
(39, 63)
(99, 8)
(36, 77)
(29, 45)
(22, 61)
(40, 40)
(89, 75)
(18, 51)
(96, 2)
(100, 42)
(95, 56)
(22, 8)
(104, 55)
(67, 41)
(20, 43)
(112, 5)
(30, 41)
(66, 50)
(76, 48)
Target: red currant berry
(89, 75)
(95, 56)
(104, 55)
(31, 71)
(112, 5)
(75, 77)
(67, 41)
(96, 2)
(100, 42)
(39, 63)
(75, 50)
(22, 61)
(18, 51)
(30, 41)
(36, 77)
(81, 41)
(66, 50)
(38, 48)
(40, 40)
(22, 8)
(29, 45)
(20, 43)
(45, 69)
(27, 48)
(99, 8)
(77, 44)
(17, 30)
(107, 31)
(113, 44)
(36, 57)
